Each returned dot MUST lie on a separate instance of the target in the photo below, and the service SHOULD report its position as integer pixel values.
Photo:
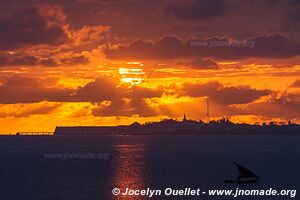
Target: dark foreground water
(61, 168)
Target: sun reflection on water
(129, 168)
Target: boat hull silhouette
(252, 180)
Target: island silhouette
(184, 127)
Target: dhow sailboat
(244, 175)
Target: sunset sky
(108, 62)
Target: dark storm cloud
(123, 100)
(204, 64)
(75, 60)
(48, 62)
(170, 47)
(28, 90)
(28, 27)
(31, 109)
(296, 83)
(134, 19)
(99, 90)
(199, 89)
(167, 47)
(25, 60)
(7, 61)
(197, 9)
(105, 88)
(125, 108)
(18, 61)
(34, 90)
(276, 46)
(18, 89)
(224, 95)
(141, 92)
(295, 10)
(238, 95)
(286, 107)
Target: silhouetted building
(184, 118)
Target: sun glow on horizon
(134, 76)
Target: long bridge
(34, 133)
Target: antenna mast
(207, 109)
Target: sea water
(90, 167)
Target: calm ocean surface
(140, 162)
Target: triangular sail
(244, 172)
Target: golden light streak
(133, 76)
(9, 52)
(124, 71)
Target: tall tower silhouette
(207, 109)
